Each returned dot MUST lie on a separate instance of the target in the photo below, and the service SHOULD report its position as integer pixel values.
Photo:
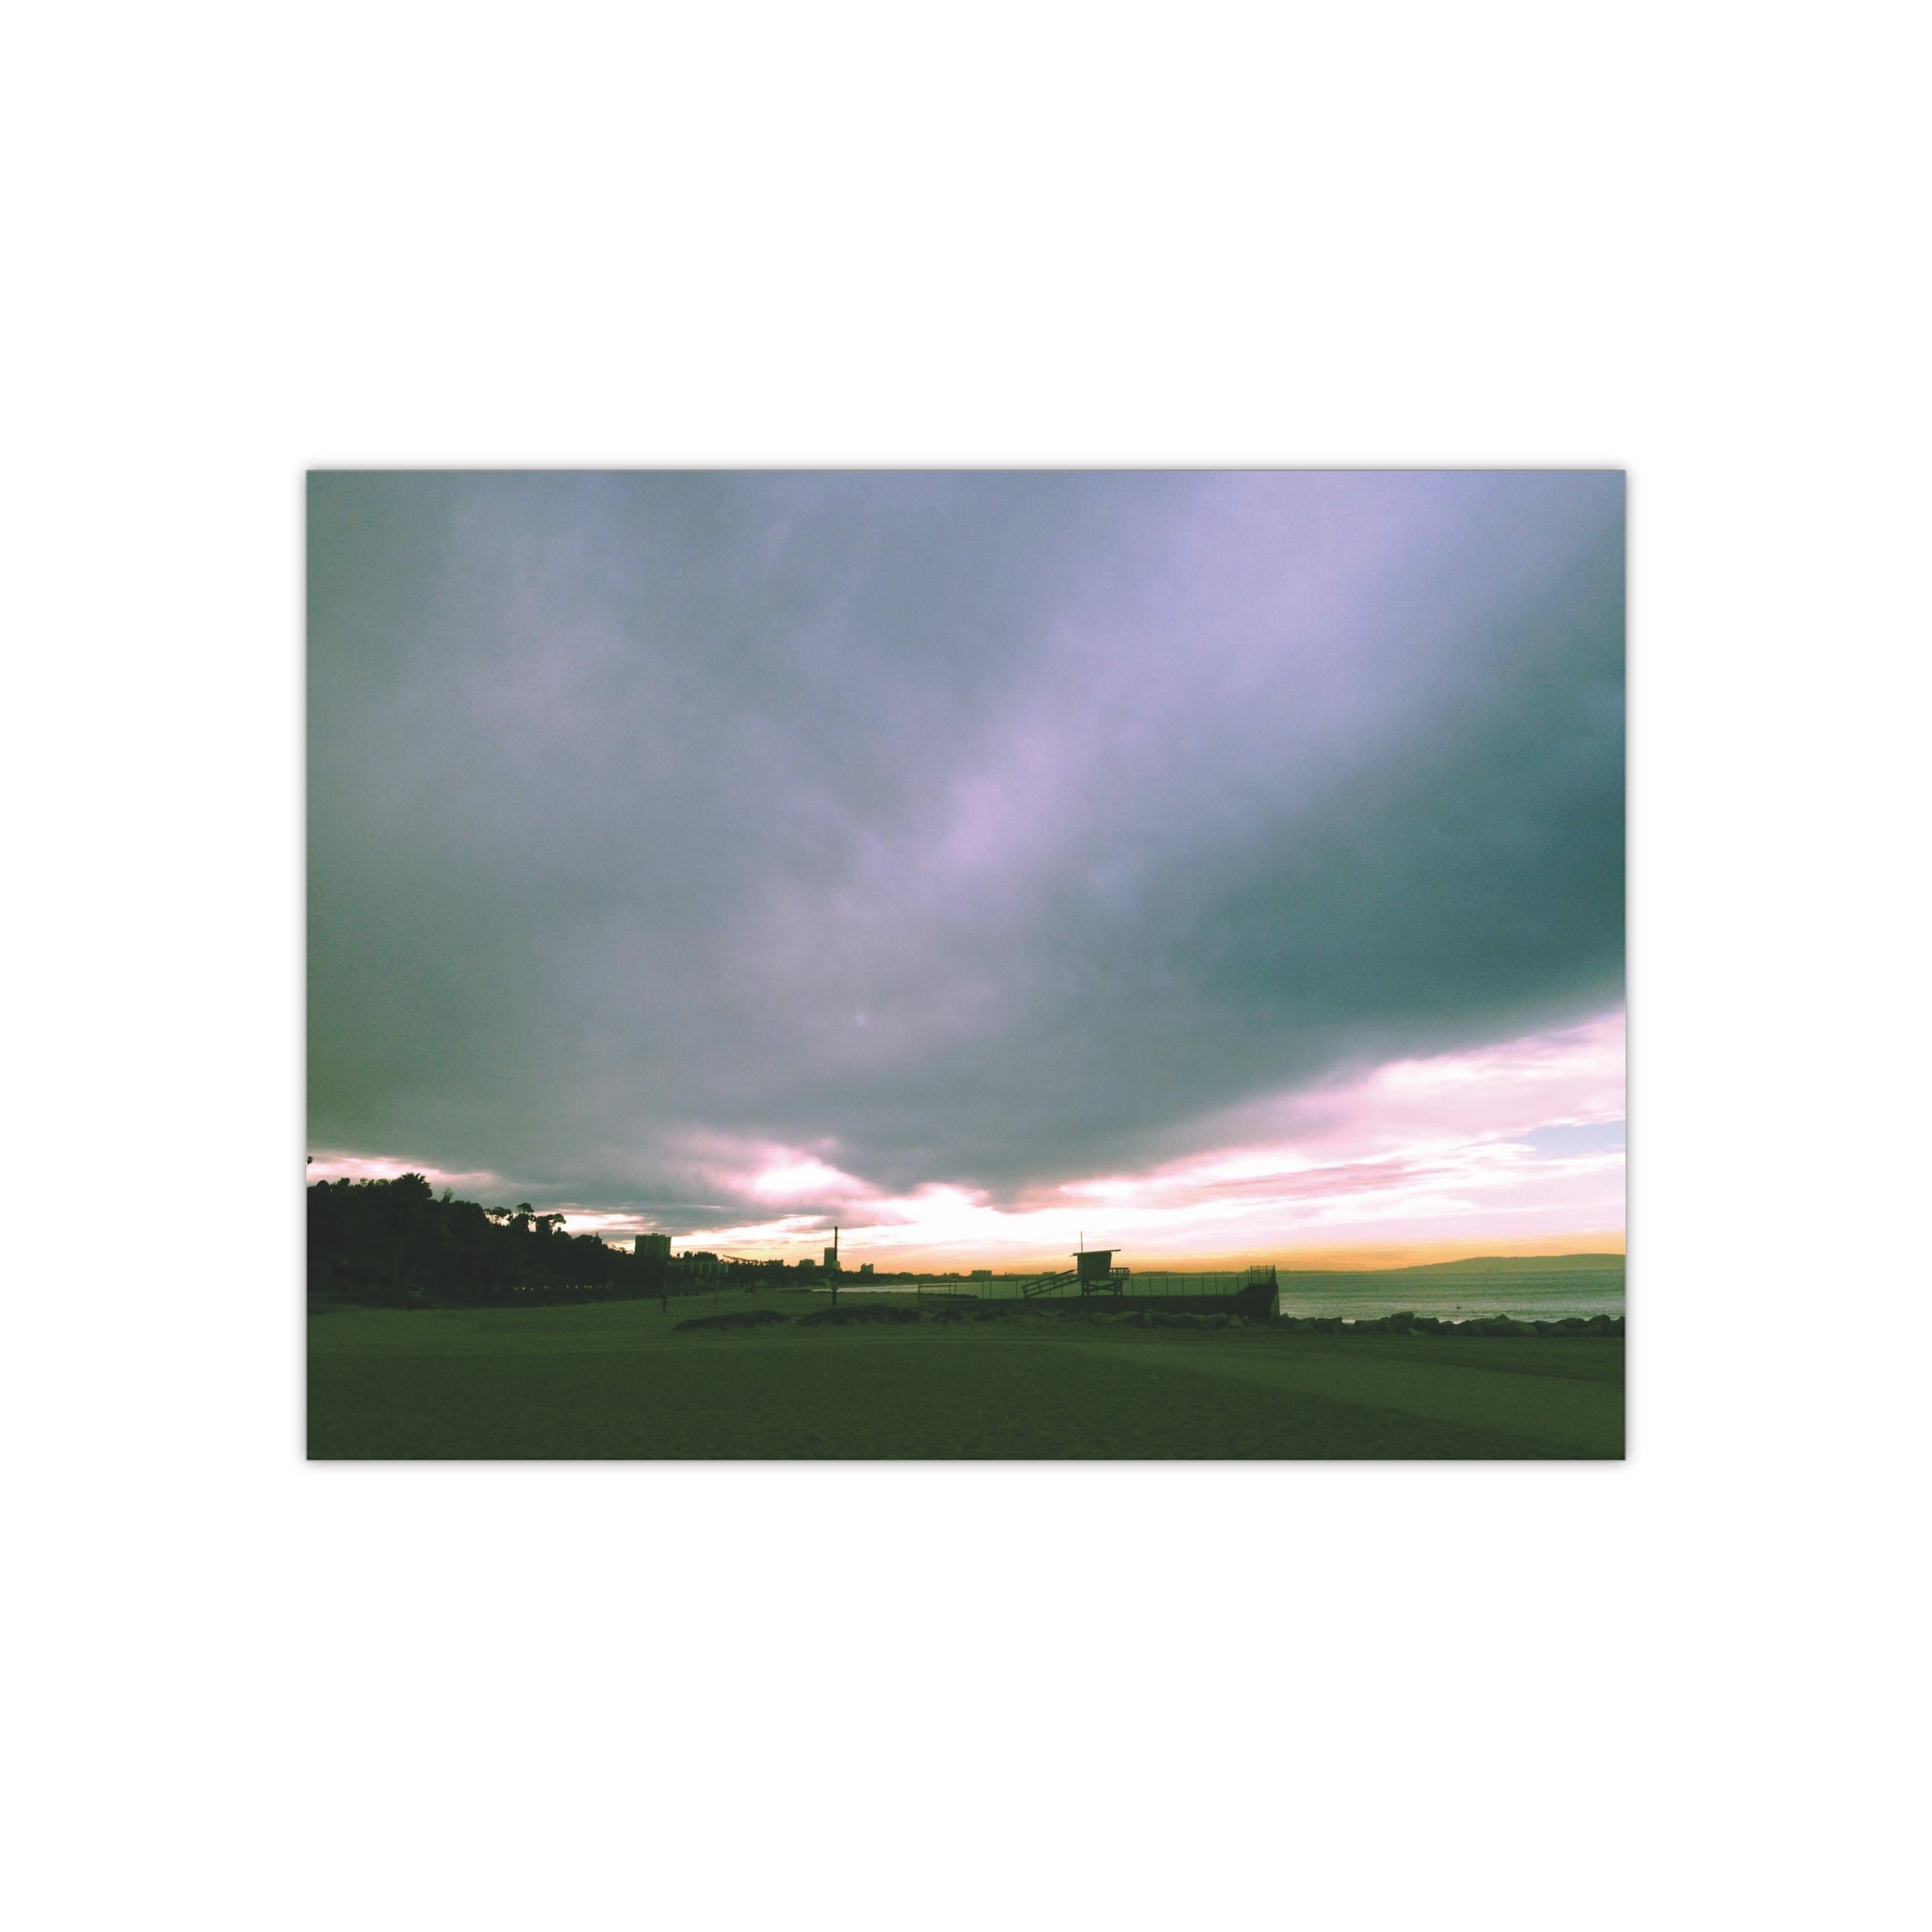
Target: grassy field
(615, 1381)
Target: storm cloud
(977, 830)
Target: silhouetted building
(653, 1247)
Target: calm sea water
(1527, 1297)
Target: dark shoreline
(864, 1315)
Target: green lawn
(613, 1381)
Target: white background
(244, 1692)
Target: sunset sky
(1221, 867)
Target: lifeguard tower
(1096, 1273)
(1092, 1273)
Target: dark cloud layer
(984, 830)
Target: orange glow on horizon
(1363, 1257)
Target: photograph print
(965, 965)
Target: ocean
(1456, 1294)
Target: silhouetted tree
(388, 1242)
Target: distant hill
(1515, 1264)
(1477, 1264)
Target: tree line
(393, 1243)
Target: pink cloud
(769, 1171)
(1419, 1149)
(1434, 1149)
(1438, 1145)
(1569, 1077)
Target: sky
(1217, 867)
